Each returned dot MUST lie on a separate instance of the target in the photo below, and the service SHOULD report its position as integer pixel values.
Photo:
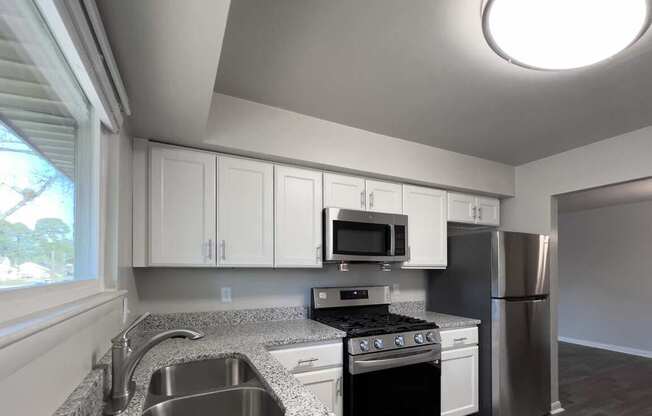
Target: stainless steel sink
(200, 376)
(239, 401)
(215, 387)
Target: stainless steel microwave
(352, 235)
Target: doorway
(605, 307)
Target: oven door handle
(359, 366)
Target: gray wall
(605, 275)
(184, 290)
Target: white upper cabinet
(245, 213)
(298, 217)
(181, 207)
(461, 208)
(471, 209)
(488, 211)
(343, 191)
(427, 232)
(384, 196)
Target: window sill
(21, 328)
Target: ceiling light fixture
(563, 34)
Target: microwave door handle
(392, 240)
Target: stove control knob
(399, 341)
(378, 343)
(431, 337)
(418, 338)
(364, 345)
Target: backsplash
(168, 290)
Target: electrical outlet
(226, 294)
(396, 289)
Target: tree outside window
(37, 206)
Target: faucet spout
(129, 366)
(125, 361)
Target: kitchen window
(49, 167)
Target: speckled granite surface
(242, 333)
(417, 309)
(87, 398)
(246, 340)
(445, 321)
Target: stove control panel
(362, 345)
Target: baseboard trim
(556, 408)
(609, 347)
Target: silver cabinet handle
(362, 199)
(210, 249)
(474, 210)
(371, 200)
(306, 362)
(459, 339)
(479, 213)
(223, 249)
(338, 387)
(318, 257)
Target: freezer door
(520, 357)
(519, 265)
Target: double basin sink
(215, 387)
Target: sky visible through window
(37, 210)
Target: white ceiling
(624, 193)
(422, 71)
(167, 53)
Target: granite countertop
(445, 321)
(241, 333)
(249, 341)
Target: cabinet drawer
(310, 357)
(454, 338)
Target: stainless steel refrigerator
(502, 279)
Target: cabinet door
(488, 211)
(298, 217)
(461, 208)
(326, 385)
(342, 191)
(245, 213)
(459, 382)
(384, 196)
(181, 207)
(427, 233)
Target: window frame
(90, 196)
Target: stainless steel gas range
(391, 361)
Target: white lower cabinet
(326, 385)
(459, 379)
(319, 368)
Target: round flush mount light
(563, 34)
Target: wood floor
(594, 382)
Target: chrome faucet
(124, 361)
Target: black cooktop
(367, 324)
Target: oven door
(394, 383)
(351, 235)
